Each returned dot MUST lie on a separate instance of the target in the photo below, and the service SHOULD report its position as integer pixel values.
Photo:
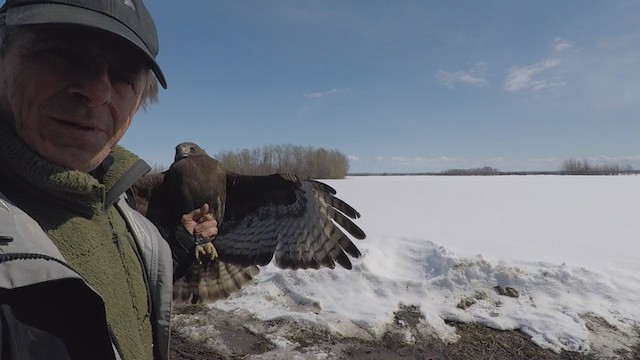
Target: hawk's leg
(205, 249)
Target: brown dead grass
(477, 342)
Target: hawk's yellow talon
(207, 251)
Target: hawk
(297, 223)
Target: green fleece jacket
(92, 236)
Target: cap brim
(64, 14)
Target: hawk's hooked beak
(182, 151)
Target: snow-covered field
(569, 245)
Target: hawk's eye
(192, 150)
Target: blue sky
(400, 86)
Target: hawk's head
(188, 149)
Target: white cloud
(497, 159)
(547, 160)
(618, 160)
(476, 76)
(317, 95)
(534, 77)
(422, 160)
(631, 158)
(560, 44)
(353, 158)
(446, 159)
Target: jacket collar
(25, 170)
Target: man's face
(70, 91)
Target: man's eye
(123, 76)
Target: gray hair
(149, 91)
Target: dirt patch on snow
(239, 335)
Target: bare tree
(585, 167)
(486, 170)
(306, 162)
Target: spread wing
(204, 282)
(299, 223)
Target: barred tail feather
(211, 281)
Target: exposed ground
(241, 336)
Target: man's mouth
(75, 124)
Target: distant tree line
(585, 167)
(486, 170)
(306, 162)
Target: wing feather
(147, 192)
(211, 281)
(298, 224)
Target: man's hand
(201, 224)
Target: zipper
(30, 256)
(114, 341)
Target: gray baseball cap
(128, 19)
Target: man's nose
(93, 85)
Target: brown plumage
(260, 218)
(212, 280)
